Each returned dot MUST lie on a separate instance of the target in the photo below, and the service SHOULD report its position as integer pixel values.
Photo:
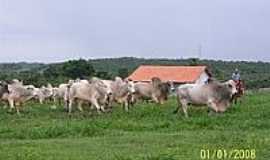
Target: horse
(240, 87)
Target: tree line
(255, 74)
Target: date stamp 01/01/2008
(239, 154)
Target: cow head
(165, 89)
(101, 85)
(47, 91)
(171, 85)
(4, 86)
(108, 90)
(232, 86)
(131, 86)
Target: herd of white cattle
(103, 94)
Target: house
(176, 74)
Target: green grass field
(147, 132)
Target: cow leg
(80, 105)
(17, 106)
(67, 98)
(134, 100)
(92, 107)
(155, 99)
(57, 101)
(213, 106)
(102, 108)
(178, 106)
(41, 100)
(11, 104)
(95, 103)
(181, 103)
(109, 102)
(185, 107)
(69, 103)
(126, 105)
(162, 102)
(66, 103)
(18, 110)
(54, 99)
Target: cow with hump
(94, 92)
(18, 94)
(217, 96)
(156, 90)
(118, 91)
(122, 91)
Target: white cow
(18, 94)
(215, 95)
(93, 93)
(60, 93)
(122, 92)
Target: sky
(58, 30)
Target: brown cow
(240, 87)
(157, 90)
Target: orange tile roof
(179, 74)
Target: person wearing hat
(236, 75)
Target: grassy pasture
(147, 132)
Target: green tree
(123, 72)
(194, 61)
(103, 75)
(78, 69)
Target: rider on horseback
(236, 76)
(239, 84)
